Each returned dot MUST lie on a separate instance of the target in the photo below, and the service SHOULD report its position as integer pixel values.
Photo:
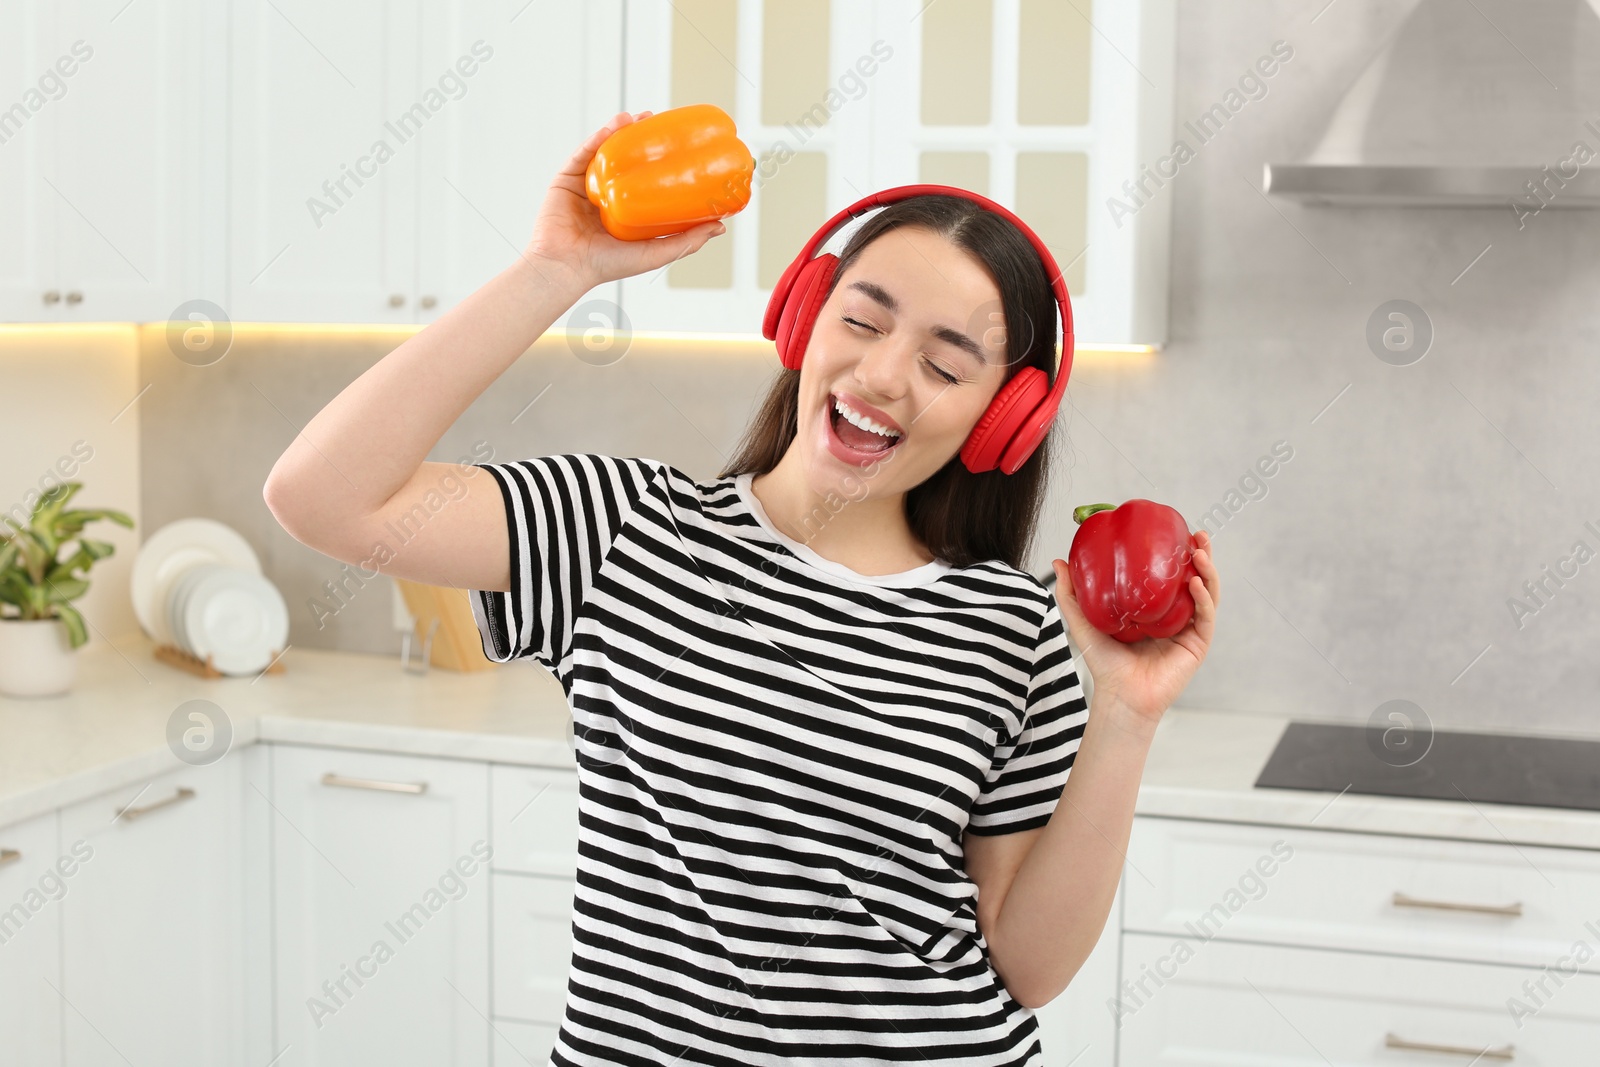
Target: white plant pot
(36, 658)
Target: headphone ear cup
(1008, 412)
(801, 306)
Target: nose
(885, 368)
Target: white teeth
(862, 421)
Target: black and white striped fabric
(777, 758)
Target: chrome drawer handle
(9, 855)
(1485, 1053)
(1401, 900)
(183, 793)
(372, 783)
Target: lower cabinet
(152, 923)
(536, 866)
(381, 885)
(304, 906)
(34, 879)
(1225, 1002)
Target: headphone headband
(1019, 415)
(1058, 284)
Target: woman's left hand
(1145, 677)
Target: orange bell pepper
(669, 173)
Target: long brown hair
(962, 517)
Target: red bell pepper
(1130, 567)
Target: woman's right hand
(568, 231)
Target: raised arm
(358, 471)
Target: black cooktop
(1448, 765)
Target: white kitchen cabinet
(381, 908)
(326, 112)
(532, 946)
(1464, 900)
(536, 860)
(151, 923)
(112, 155)
(34, 877)
(544, 76)
(389, 157)
(535, 820)
(866, 95)
(1234, 1003)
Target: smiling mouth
(857, 432)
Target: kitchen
(1318, 237)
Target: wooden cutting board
(457, 645)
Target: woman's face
(913, 338)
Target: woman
(823, 719)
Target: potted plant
(39, 628)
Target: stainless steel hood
(1472, 102)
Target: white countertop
(111, 730)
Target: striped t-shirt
(777, 757)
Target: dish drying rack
(188, 661)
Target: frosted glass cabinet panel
(1023, 101)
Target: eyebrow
(943, 333)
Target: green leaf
(52, 504)
(36, 555)
(77, 632)
(70, 522)
(59, 592)
(13, 587)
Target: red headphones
(1019, 416)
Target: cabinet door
(28, 132)
(777, 69)
(128, 173)
(381, 887)
(521, 88)
(151, 923)
(327, 115)
(31, 888)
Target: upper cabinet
(110, 152)
(375, 161)
(390, 156)
(1046, 107)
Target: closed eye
(949, 378)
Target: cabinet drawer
(532, 946)
(1331, 889)
(1265, 1005)
(535, 820)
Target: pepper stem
(1083, 512)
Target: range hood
(1468, 104)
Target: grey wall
(1375, 563)
(1379, 563)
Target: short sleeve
(563, 514)
(1029, 771)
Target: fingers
(1210, 581)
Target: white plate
(237, 618)
(178, 599)
(172, 550)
